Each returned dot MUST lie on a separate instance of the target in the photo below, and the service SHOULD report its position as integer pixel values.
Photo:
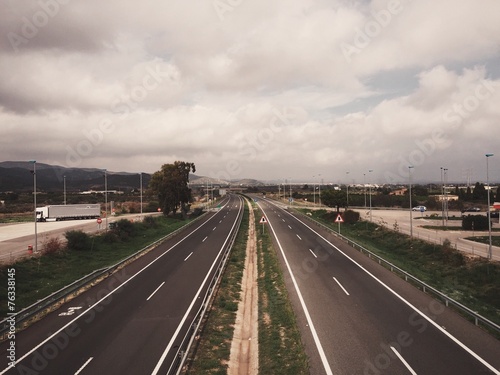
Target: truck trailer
(68, 212)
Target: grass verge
(213, 350)
(38, 277)
(474, 282)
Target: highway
(132, 322)
(358, 318)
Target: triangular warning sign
(263, 220)
(339, 219)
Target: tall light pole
(64, 186)
(411, 211)
(446, 194)
(371, 170)
(364, 186)
(442, 198)
(140, 179)
(489, 212)
(106, 199)
(34, 203)
(347, 186)
(319, 191)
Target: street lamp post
(106, 199)
(34, 204)
(442, 198)
(141, 191)
(489, 212)
(347, 186)
(64, 185)
(371, 170)
(364, 186)
(411, 211)
(446, 194)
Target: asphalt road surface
(358, 318)
(134, 321)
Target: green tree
(170, 184)
(479, 192)
(334, 198)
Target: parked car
(472, 209)
(419, 208)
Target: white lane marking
(103, 298)
(84, 365)
(432, 322)
(188, 311)
(289, 227)
(205, 239)
(321, 351)
(404, 362)
(188, 256)
(220, 221)
(298, 237)
(283, 220)
(152, 294)
(345, 291)
(214, 229)
(312, 252)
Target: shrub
(125, 228)
(480, 222)
(52, 245)
(77, 240)
(350, 217)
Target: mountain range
(18, 176)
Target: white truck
(68, 212)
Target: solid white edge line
(446, 333)
(404, 361)
(84, 365)
(179, 327)
(312, 252)
(345, 291)
(102, 299)
(152, 294)
(321, 351)
(188, 256)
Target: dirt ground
(244, 357)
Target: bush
(149, 222)
(125, 229)
(350, 217)
(480, 222)
(52, 246)
(77, 240)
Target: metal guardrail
(184, 348)
(478, 319)
(40, 308)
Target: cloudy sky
(299, 89)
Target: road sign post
(339, 220)
(263, 221)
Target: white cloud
(144, 84)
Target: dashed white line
(289, 227)
(214, 229)
(345, 291)
(298, 237)
(188, 256)
(205, 239)
(152, 294)
(403, 360)
(312, 252)
(84, 365)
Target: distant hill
(17, 176)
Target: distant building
(399, 192)
(442, 197)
